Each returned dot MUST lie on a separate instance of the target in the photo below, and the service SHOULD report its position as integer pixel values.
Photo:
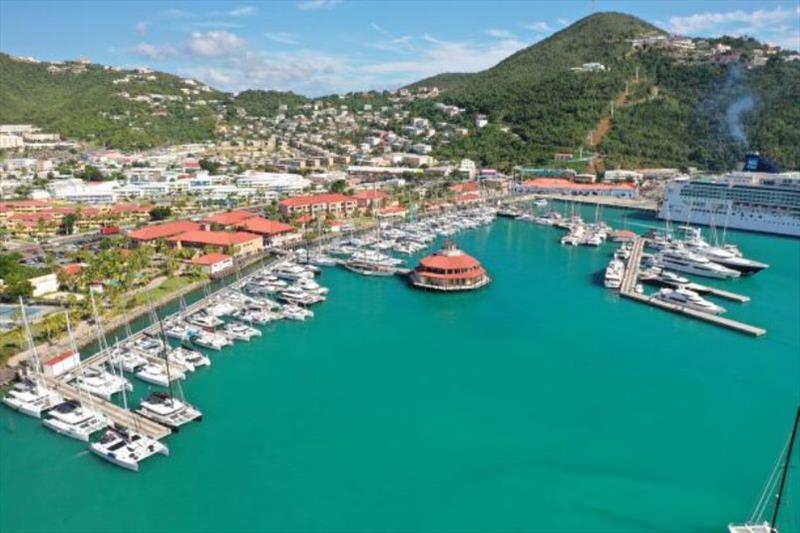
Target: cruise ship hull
(773, 224)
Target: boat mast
(166, 348)
(37, 363)
(785, 472)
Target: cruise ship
(752, 199)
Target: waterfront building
(449, 269)
(273, 232)
(163, 230)
(563, 186)
(338, 205)
(237, 243)
(213, 263)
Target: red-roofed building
(316, 205)
(449, 269)
(562, 186)
(164, 230)
(274, 233)
(213, 263)
(230, 218)
(470, 186)
(61, 364)
(233, 243)
(370, 200)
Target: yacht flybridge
(101, 383)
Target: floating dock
(628, 290)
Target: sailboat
(30, 395)
(126, 447)
(776, 485)
(77, 419)
(165, 408)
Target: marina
(254, 373)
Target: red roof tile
(264, 226)
(210, 259)
(229, 218)
(316, 199)
(160, 231)
(214, 238)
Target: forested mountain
(677, 111)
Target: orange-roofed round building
(449, 269)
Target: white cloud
(281, 37)
(244, 11)
(780, 25)
(563, 21)
(309, 5)
(540, 26)
(157, 52)
(392, 43)
(214, 43)
(500, 33)
(140, 28)
(709, 22)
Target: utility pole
(637, 74)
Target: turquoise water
(541, 403)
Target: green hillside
(674, 115)
(83, 101)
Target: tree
(338, 186)
(68, 223)
(91, 173)
(210, 165)
(160, 212)
(15, 288)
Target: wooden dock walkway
(121, 416)
(628, 290)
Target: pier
(121, 416)
(628, 290)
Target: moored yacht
(187, 356)
(210, 340)
(614, 273)
(31, 396)
(156, 374)
(168, 410)
(128, 358)
(295, 312)
(75, 420)
(126, 448)
(682, 260)
(688, 298)
(240, 331)
(101, 383)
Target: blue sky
(324, 46)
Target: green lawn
(168, 287)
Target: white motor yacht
(292, 272)
(74, 420)
(295, 312)
(299, 296)
(187, 356)
(688, 298)
(180, 331)
(211, 340)
(614, 272)
(240, 331)
(31, 396)
(126, 448)
(168, 411)
(205, 320)
(156, 374)
(309, 285)
(101, 382)
(151, 346)
(682, 260)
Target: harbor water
(543, 402)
